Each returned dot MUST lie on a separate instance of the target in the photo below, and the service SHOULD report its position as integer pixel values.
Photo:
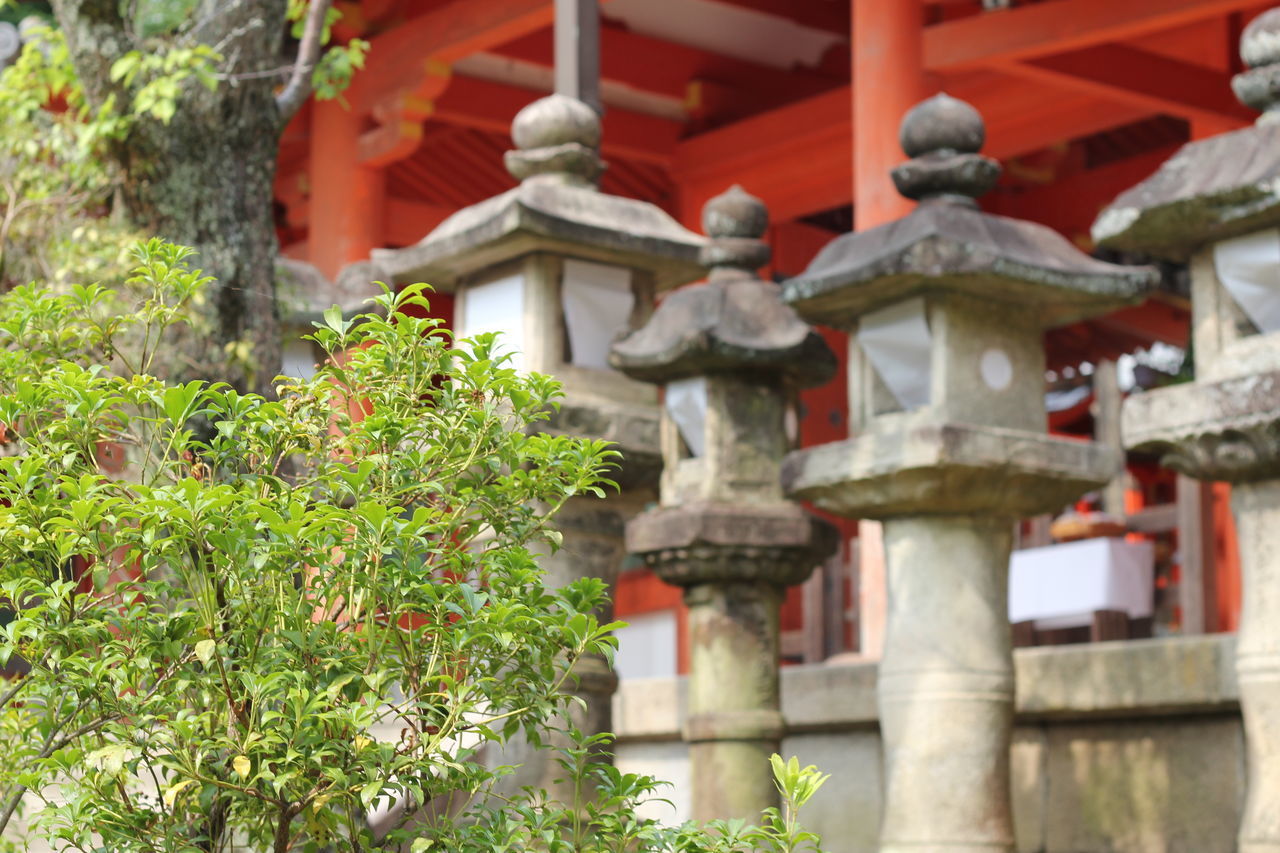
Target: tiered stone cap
(557, 207)
(1216, 188)
(947, 243)
(732, 322)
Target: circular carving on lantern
(996, 369)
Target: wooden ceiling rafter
(480, 104)
(410, 65)
(1043, 29)
(413, 173)
(827, 15)
(668, 69)
(1144, 79)
(1078, 45)
(797, 158)
(409, 220)
(489, 173)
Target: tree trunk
(205, 179)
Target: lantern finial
(735, 221)
(558, 139)
(942, 136)
(1259, 87)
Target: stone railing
(1129, 747)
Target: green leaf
(205, 650)
(369, 793)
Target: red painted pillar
(346, 215)
(888, 80)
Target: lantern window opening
(496, 305)
(685, 402)
(598, 303)
(898, 344)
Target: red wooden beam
(1072, 200)
(1041, 29)
(1157, 319)
(469, 102)
(407, 221)
(1143, 79)
(796, 157)
(829, 15)
(665, 68)
(401, 58)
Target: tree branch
(299, 86)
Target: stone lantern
(1216, 205)
(946, 308)
(560, 269)
(729, 355)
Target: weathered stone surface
(949, 460)
(945, 689)
(305, 293)
(1226, 425)
(993, 257)
(735, 321)
(744, 437)
(942, 124)
(1144, 787)
(723, 530)
(907, 467)
(1134, 679)
(948, 243)
(942, 136)
(1029, 782)
(775, 544)
(1257, 510)
(1215, 188)
(575, 221)
(1152, 721)
(846, 810)
(1212, 189)
(1228, 430)
(633, 428)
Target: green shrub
(252, 621)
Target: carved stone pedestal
(734, 564)
(1230, 430)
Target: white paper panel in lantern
(1249, 268)
(647, 646)
(298, 359)
(497, 306)
(597, 302)
(897, 341)
(686, 402)
(1060, 586)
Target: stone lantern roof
(1216, 188)
(557, 207)
(947, 242)
(732, 322)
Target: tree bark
(205, 179)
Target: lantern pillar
(730, 357)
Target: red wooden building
(799, 102)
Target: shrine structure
(1127, 746)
